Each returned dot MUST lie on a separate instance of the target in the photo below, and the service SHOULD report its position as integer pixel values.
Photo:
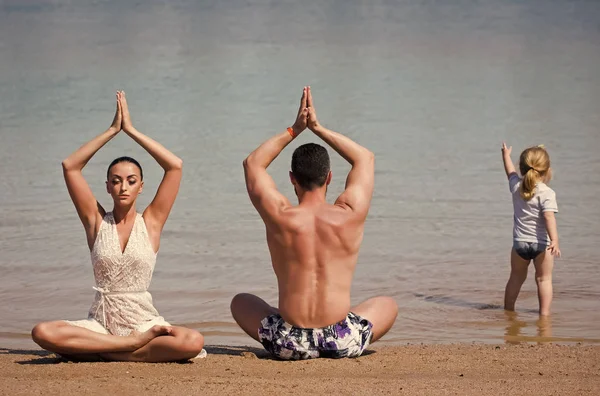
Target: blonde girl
(534, 233)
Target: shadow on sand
(45, 357)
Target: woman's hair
(534, 165)
(125, 159)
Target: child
(534, 232)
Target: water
(432, 87)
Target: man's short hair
(310, 166)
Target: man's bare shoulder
(326, 213)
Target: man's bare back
(314, 249)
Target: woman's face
(124, 183)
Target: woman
(122, 323)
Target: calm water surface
(432, 87)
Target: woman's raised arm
(88, 209)
(157, 212)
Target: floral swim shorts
(348, 338)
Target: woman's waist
(123, 301)
(115, 290)
(134, 298)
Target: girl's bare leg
(518, 274)
(61, 337)
(181, 344)
(544, 263)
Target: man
(314, 248)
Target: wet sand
(465, 369)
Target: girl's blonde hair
(534, 165)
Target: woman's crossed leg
(157, 344)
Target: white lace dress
(122, 302)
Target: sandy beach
(464, 369)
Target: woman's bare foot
(141, 339)
(126, 123)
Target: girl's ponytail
(530, 179)
(534, 165)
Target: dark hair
(310, 166)
(124, 159)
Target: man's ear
(329, 176)
(294, 183)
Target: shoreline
(466, 369)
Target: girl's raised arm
(509, 167)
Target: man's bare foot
(126, 123)
(141, 339)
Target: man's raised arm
(360, 181)
(263, 193)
